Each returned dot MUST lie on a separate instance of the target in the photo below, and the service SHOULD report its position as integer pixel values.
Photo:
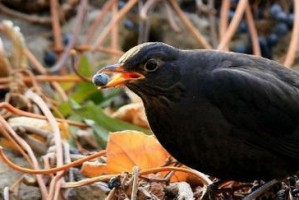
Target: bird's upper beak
(119, 76)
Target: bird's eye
(151, 65)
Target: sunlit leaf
(93, 112)
(127, 149)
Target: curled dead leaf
(133, 113)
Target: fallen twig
(31, 18)
(48, 171)
(28, 149)
(58, 46)
(135, 183)
(48, 78)
(116, 18)
(233, 25)
(253, 32)
(196, 34)
(98, 20)
(56, 181)
(38, 66)
(293, 46)
(16, 111)
(75, 32)
(223, 23)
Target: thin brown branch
(93, 27)
(294, 41)
(55, 185)
(4, 87)
(116, 18)
(196, 34)
(67, 159)
(74, 66)
(28, 149)
(223, 24)
(31, 77)
(5, 65)
(113, 52)
(253, 32)
(144, 26)
(48, 78)
(212, 20)
(30, 18)
(87, 181)
(200, 176)
(58, 46)
(135, 183)
(233, 25)
(114, 34)
(16, 111)
(171, 17)
(38, 66)
(111, 194)
(6, 134)
(48, 171)
(57, 180)
(75, 32)
(148, 5)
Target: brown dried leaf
(126, 149)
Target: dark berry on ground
(67, 38)
(243, 28)
(281, 29)
(265, 50)
(50, 58)
(272, 39)
(274, 10)
(240, 48)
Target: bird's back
(239, 120)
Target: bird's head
(149, 69)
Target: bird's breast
(188, 127)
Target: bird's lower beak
(114, 76)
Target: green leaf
(84, 91)
(105, 100)
(90, 111)
(65, 108)
(101, 134)
(84, 66)
(84, 69)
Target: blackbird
(233, 116)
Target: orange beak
(119, 76)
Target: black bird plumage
(233, 116)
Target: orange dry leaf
(126, 149)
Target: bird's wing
(261, 107)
